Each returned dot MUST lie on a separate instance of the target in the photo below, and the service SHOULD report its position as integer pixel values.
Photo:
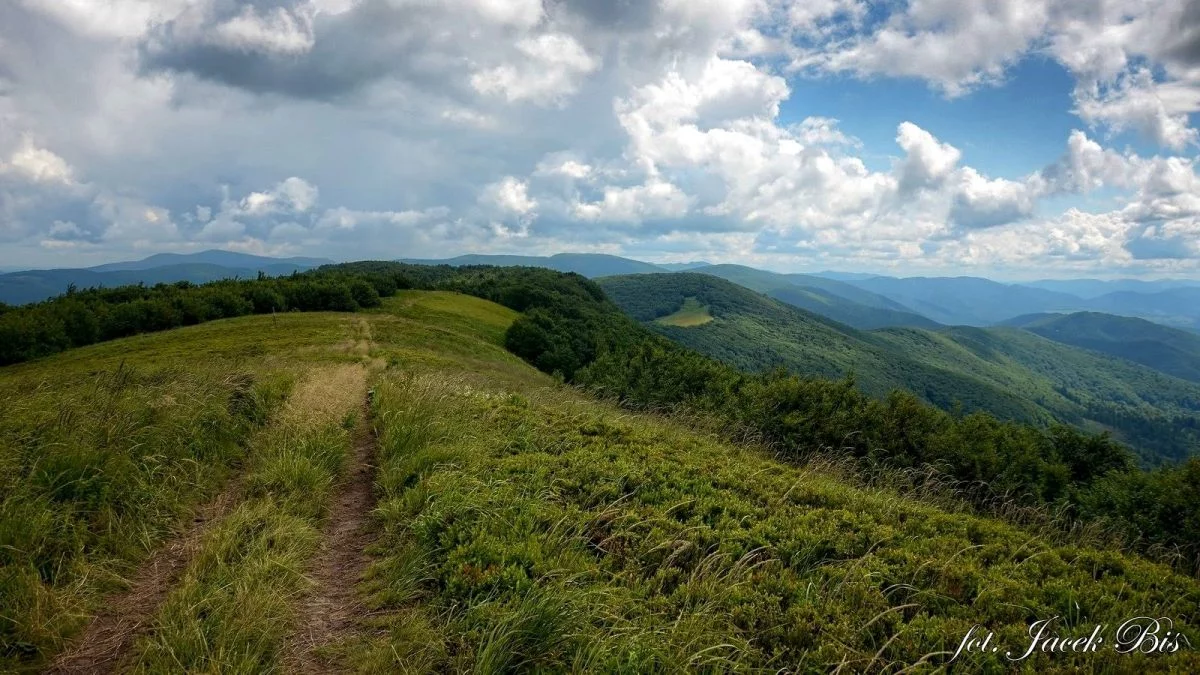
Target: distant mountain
(1094, 288)
(680, 267)
(219, 258)
(590, 265)
(18, 288)
(969, 301)
(1010, 372)
(832, 299)
(1179, 307)
(844, 276)
(1167, 350)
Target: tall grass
(542, 532)
(235, 605)
(94, 472)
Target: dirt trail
(105, 644)
(333, 608)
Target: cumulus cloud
(954, 44)
(927, 162)
(509, 196)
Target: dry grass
(326, 395)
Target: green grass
(234, 607)
(691, 314)
(94, 471)
(107, 450)
(543, 531)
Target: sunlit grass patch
(691, 314)
(325, 395)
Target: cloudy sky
(1010, 138)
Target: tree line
(83, 317)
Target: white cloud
(1135, 103)
(37, 164)
(278, 30)
(292, 194)
(654, 199)
(954, 44)
(509, 196)
(549, 72)
(927, 162)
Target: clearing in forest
(690, 315)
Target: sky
(1011, 139)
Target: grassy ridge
(94, 471)
(528, 528)
(526, 525)
(106, 450)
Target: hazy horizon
(4, 269)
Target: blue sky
(1004, 138)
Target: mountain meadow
(389, 467)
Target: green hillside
(836, 300)
(1167, 350)
(394, 491)
(1007, 372)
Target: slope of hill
(590, 265)
(1167, 350)
(968, 301)
(836, 300)
(1008, 372)
(494, 520)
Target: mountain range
(1008, 371)
(873, 301)
(859, 300)
(1150, 323)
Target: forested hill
(830, 298)
(1168, 350)
(1007, 372)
